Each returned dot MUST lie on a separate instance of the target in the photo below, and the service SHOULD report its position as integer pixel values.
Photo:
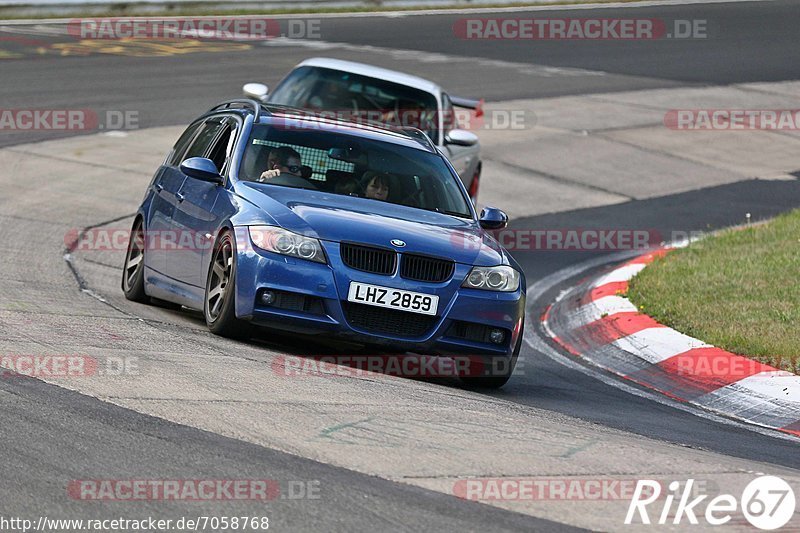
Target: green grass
(738, 290)
(199, 9)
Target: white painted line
(769, 399)
(781, 385)
(657, 344)
(36, 29)
(605, 306)
(625, 273)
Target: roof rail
(243, 102)
(419, 136)
(269, 107)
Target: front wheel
(220, 294)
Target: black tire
(133, 274)
(219, 309)
(495, 382)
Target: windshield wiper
(451, 213)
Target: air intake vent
(421, 268)
(367, 259)
(388, 321)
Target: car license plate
(414, 302)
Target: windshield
(352, 166)
(356, 97)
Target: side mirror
(493, 218)
(461, 138)
(256, 91)
(202, 169)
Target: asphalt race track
(747, 41)
(180, 425)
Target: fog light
(267, 297)
(497, 336)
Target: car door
(166, 183)
(195, 216)
(459, 156)
(176, 242)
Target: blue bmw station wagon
(317, 226)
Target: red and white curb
(595, 322)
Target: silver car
(359, 91)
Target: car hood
(334, 217)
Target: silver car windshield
(358, 98)
(344, 164)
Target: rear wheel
(220, 295)
(133, 270)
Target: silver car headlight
(497, 278)
(281, 241)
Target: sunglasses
(294, 169)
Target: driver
(282, 160)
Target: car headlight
(281, 241)
(498, 278)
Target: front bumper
(327, 284)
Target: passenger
(376, 186)
(282, 160)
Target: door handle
(158, 187)
(180, 196)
